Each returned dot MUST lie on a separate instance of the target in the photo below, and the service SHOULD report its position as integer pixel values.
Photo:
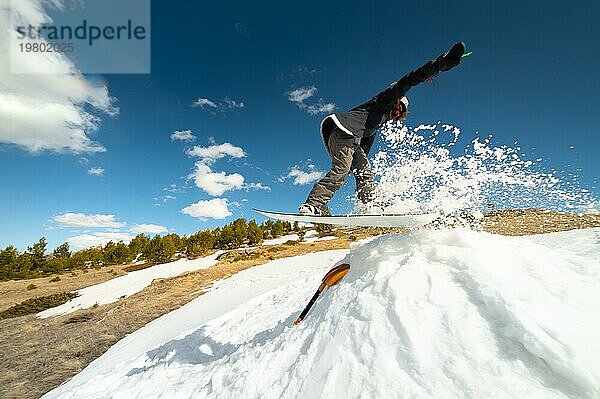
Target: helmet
(399, 110)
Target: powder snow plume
(419, 171)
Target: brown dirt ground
(36, 355)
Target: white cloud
(301, 177)
(49, 111)
(148, 228)
(83, 220)
(209, 155)
(183, 135)
(301, 94)
(159, 201)
(227, 104)
(98, 239)
(96, 171)
(166, 198)
(204, 102)
(320, 108)
(173, 188)
(215, 183)
(231, 104)
(256, 186)
(216, 208)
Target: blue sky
(531, 78)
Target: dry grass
(37, 305)
(15, 291)
(521, 222)
(39, 354)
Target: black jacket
(363, 121)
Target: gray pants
(346, 157)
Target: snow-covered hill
(430, 314)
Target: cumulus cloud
(225, 105)
(148, 228)
(50, 106)
(215, 183)
(84, 241)
(256, 186)
(216, 208)
(209, 155)
(301, 94)
(300, 177)
(320, 108)
(96, 171)
(204, 102)
(83, 220)
(183, 135)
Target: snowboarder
(348, 136)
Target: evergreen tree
(108, 253)
(8, 262)
(62, 251)
(152, 250)
(93, 257)
(139, 244)
(277, 229)
(199, 243)
(240, 232)
(177, 242)
(122, 253)
(115, 254)
(255, 233)
(59, 261)
(38, 254)
(323, 229)
(168, 247)
(24, 265)
(8, 256)
(227, 237)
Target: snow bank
(440, 314)
(129, 284)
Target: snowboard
(386, 220)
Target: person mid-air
(348, 136)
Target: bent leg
(341, 149)
(365, 181)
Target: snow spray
(420, 169)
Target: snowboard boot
(313, 210)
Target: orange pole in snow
(331, 278)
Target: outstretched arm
(385, 100)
